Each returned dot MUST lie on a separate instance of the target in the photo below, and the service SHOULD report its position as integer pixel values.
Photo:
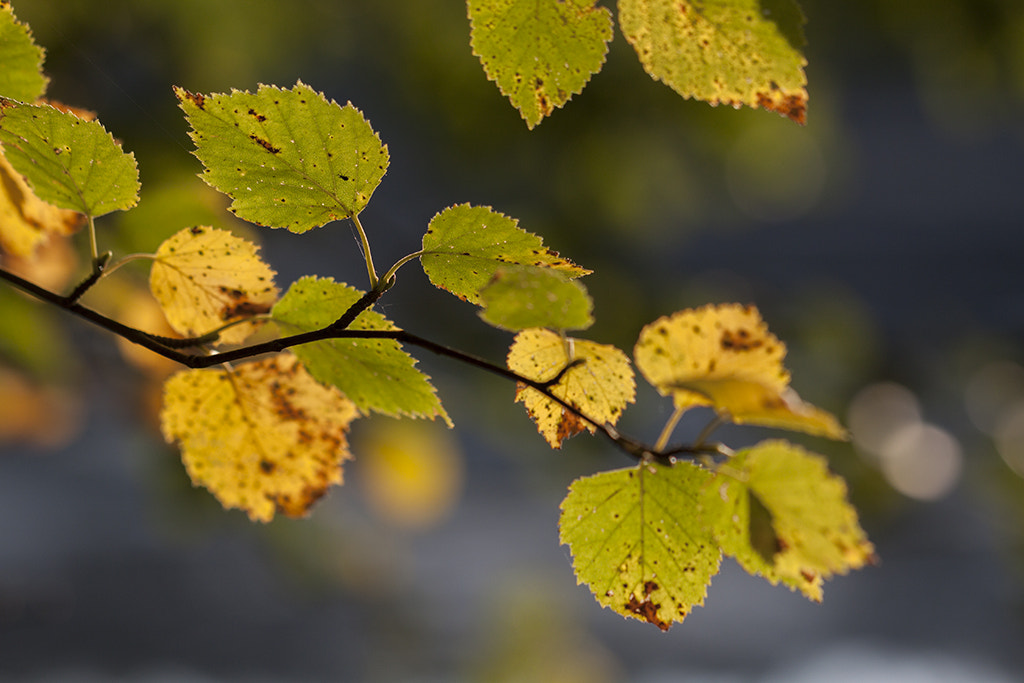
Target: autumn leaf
(740, 52)
(205, 278)
(263, 437)
(637, 543)
(725, 357)
(465, 246)
(539, 53)
(287, 158)
(816, 531)
(600, 384)
(27, 222)
(21, 77)
(521, 297)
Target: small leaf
(69, 162)
(288, 158)
(816, 532)
(26, 222)
(204, 278)
(637, 543)
(262, 437)
(376, 374)
(600, 385)
(539, 53)
(725, 357)
(21, 77)
(464, 247)
(521, 297)
(741, 52)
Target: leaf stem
(93, 244)
(401, 262)
(666, 431)
(371, 271)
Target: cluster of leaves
(270, 434)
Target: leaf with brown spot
(262, 437)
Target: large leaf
(377, 374)
(69, 162)
(262, 437)
(21, 76)
(287, 158)
(539, 53)
(465, 245)
(735, 52)
(520, 297)
(637, 542)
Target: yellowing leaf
(740, 52)
(26, 222)
(637, 542)
(816, 529)
(725, 357)
(205, 278)
(262, 437)
(601, 385)
(539, 53)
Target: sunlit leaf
(21, 75)
(205, 278)
(539, 53)
(288, 158)
(600, 385)
(518, 298)
(816, 531)
(465, 245)
(725, 357)
(376, 374)
(26, 221)
(739, 52)
(68, 161)
(263, 437)
(637, 543)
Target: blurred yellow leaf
(204, 278)
(601, 385)
(26, 222)
(724, 356)
(262, 437)
(47, 416)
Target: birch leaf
(21, 77)
(26, 222)
(521, 297)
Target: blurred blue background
(882, 242)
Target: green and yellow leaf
(724, 356)
(741, 52)
(600, 384)
(520, 297)
(539, 53)
(26, 222)
(815, 531)
(21, 77)
(263, 437)
(376, 374)
(205, 278)
(637, 543)
(287, 158)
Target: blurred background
(883, 243)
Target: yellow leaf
(205, 278)
(601, 385)
(724, 356)
(262, 437)
(26, 222)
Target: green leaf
(376, 374)
(815, 529)
(637, 542)
(21, 77)
(520, 297)
(466, 245)
(735, 52)
(539, 53)
(287, 158)
(69, 162)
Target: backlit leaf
(26, 221)
(204, 278)
(465, 245)
(637, 542)
(725, 357)
(262, 437)
(601, 385)
(376, 374)
(736, 52)
(288, 158)
(816, 530)
(539, 53)
(68, 161)
(518, 298)
(21, 77)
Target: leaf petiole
(365, 244)
(666, 431)
(401, 262)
